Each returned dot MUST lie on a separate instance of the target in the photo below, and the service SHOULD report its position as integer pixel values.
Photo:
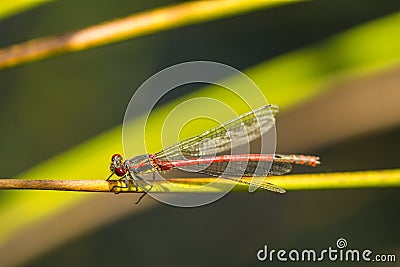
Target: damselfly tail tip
(312, 161)
(317, 161)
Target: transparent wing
(243, 129)
(240, 169)
(254, 174)
(261, 183)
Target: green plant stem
(362, 179)
(129, 27)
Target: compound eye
(116, 157)
(120, 171)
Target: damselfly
(202, 154)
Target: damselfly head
(116, 157)
(117, 165)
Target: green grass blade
(9, 8)
(286, 80)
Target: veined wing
(241, 130)
(252, 173)
(239, 168)
(261, 183)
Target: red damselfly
(202, 154)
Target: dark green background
(49, 106)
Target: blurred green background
(337, 102)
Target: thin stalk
(361, 179)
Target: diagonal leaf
(9, 8)
(293, 77)
(129, 27)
